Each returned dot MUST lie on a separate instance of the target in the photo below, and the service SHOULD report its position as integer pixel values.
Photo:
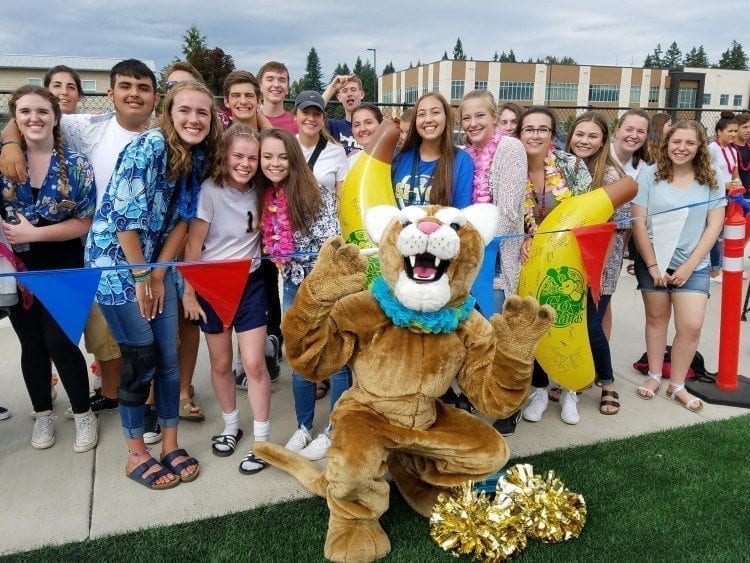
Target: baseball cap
(310, 98)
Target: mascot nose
(428, 227)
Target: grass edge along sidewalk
(679, 494)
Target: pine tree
(696, 58)
(214, 65)
(511, 56)
(194, 42)
(366, 74)
(673, 56)
(445, 56)
(341, 69)
(458, 51)
(389, 68)
(655, 60)
(495, 57)
(734, 57)
(313, 77)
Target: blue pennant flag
(482, 288)
(67, 294)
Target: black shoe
(450, 397)
(272, 361)
(507, 426)
(152, 430)
(463, 403)
(99, 403)
(4, 413)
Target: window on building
(737, 100)
(724, 100)
(457, 89)
(635, 94)
(686, 97)
(480, 85)
(604, 92)
(562, 92)
(706, 99)
(388, 97)
(436, 86)
(398, 96)
(89, 86)
(424, 88)
(516, 91)
(653, 94)
(34, 81)
(410, 94)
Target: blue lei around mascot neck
(435, 322)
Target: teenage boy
(274, 88)
(348, 90)
(101, 138)
(242, 99)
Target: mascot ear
(484, 217)
(377, 219)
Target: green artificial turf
(675, 495)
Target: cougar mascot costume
(406, 340)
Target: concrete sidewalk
(55, 496)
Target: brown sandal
(186, 411)
(321, 389)
(607, 402)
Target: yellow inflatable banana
(367, 184)
(555, 276)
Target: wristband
(142, 275)
(11, 143)
(651, 266)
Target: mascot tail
(305, 471)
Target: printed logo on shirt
(406, 194)
(349, 142)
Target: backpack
(697, 369)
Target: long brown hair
(219, 170)
(441, 192)
(302, 189)
(180, 159)
(64, 184)
(599, 162)
(702, 168)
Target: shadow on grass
(675, 495)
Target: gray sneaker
(43, 436)
(87, 431)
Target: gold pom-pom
(468, 523)
(550, 512)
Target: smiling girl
(227, 226)
(143, 218)
(365, 121)
(430, 169)
(65, 83)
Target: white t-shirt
(231, 215)
(331, 166)
(722, 159)
(628, 167)
(101, 139)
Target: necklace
(536, 210)
(483, 158)
(277, 227)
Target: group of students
(256, 181)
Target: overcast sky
(591, 31)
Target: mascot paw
(339, 270)
(355, 540)
(522, 323)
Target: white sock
(261, 430)
(231, 422)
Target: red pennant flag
(219, 283)
(593, 241)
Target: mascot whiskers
(406, 340)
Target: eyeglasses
(540, 131)
(170, 84)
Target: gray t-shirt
(662, 196)
(235, 225)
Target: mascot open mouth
(425, 268)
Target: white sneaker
(569, 406)
(87, 431)
(316, 449)
(299, 440)
(538, 403)
(43, 436)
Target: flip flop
(252, 458)
(186, 411)
(148, 481)
(228, 440)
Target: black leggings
(43, 340)
(270, 274)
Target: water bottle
(12, 218)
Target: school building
(572, 85)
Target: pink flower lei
(482, 158)
(277, 226)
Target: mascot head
(429, 256)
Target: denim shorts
(252, 312)
(698, 282)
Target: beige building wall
(10, 79)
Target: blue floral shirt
(138, 198)
(55, 203)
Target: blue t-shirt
(138, 198)
(341, 130)
(412, 185)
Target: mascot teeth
(423, 268)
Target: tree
(458, 51)
(313, 77)
(655, 60)
(341, 69)
(389, 68)
(214, 65)
(509, 58)
(194, 42)
(445, 56)
(734, 57)
(366, 74)
(697, 58)
(495, 57)
(673, 56)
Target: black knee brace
(137, 362)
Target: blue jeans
(598, 340)
(304, 390)
(131, 329)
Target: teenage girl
(742, 143)
(227, 226)
(65, 83)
